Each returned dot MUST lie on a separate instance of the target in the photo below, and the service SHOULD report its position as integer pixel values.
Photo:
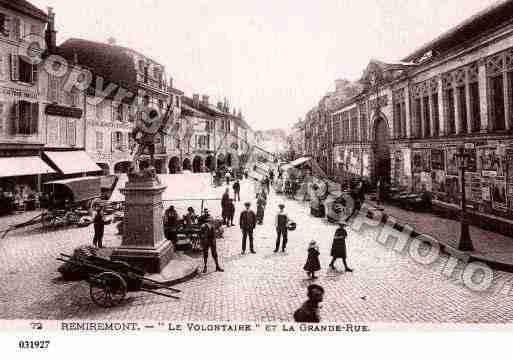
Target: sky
(273, 59)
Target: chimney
(111, 41)
(204, 100)
(171, 82)
(195, 100)
(220, 105)
(340, 84)
(51, 34)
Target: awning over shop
(71, 162)
(23, 166)
(82, 188)
(296, 162)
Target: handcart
(109, 281)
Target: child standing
(312, 262)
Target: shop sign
(18, 93)
(63, 111)
(116, 124)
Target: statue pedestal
(143, 244)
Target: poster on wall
(354, 163)
(485, 190)
(490, 162)
(425, 181)
(471, 160)
(406, 162)
(476, 194)
(437, 159)
(499, 199)
(452, 165)
(421, 161)
(417, 185)
(366, 164)
(438, 181)
(452, 184)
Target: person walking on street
(338, 248)
(224, 205)
(236, 190)
(208, 240)
(380, 192)
(230, 212)
(261, 203)
(227, 175)
(309, 311)
(281, 223)
(312, 262)
(99, 228)
(271, 176)
(247, 224)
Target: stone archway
(174, 165)
(209, 163)
(122, 167)
(186, 165)
(197, 163)
(382, 160)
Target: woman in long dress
(338, 248)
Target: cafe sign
(63, 111)
(18, 93)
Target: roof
(492, 16)
(108, 61)
(26, 8)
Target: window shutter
(15, 67)
(15, 118)
(34, 118)
(112, 141)
(16, 24)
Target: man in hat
(281, 223)
(208, 240)
(309, 311)
(224, 205)
(247, 224)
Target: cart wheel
(107, 289)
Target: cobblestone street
(385, 286)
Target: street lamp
(465, 242)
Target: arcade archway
(174, 165)
(122, 167)
(105, 168)
(381, 151)
(197, 163)
(209, 163)
(186, 165)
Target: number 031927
(33, 344)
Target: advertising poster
(366, 164)
(452, 184)
(472, 160)
(421, 161)
(437, 159)
(475, 187)
(452, 165)
(407, 162)
(490, 162)
(438, 181)
(499, 201)
(425, 181)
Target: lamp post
(465, 242)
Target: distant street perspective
(124, 196)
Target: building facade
(22, 120)
(412, 116)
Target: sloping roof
(108, 61)
(26, 8)
(493, 16)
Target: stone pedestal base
(151, 260)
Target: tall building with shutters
(22, 120)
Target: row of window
(16, 28)
(22, 118)
(119, 141)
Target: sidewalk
(494, 249)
